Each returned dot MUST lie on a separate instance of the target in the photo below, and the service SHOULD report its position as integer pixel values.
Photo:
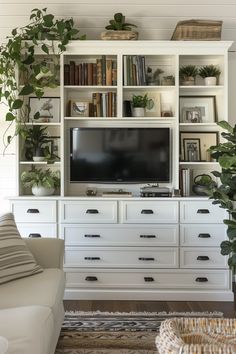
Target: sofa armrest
(48, 252)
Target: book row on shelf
(134, 70)
(102, 72)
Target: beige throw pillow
(16, 260)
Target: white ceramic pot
(41, 191)
(38, 158)
(138, 112)
(210, 81)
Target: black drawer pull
(91, 278)
(92, 258)
(148, 279)
(147, 211)
(146, 259)
(204, 235)
(201, 279)
(91, 211)
(203, 211)
(203, 258)
(32, 211)
(147, 236)
(92, 236)
(34, 235)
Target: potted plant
(139, 103)
(187, 74)
(225, 194)
(168, 80)
(203, 184)
(35, 139)
(42, 182)
(119, 29)
(210, 74)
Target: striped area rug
(115, 333)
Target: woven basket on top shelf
(197, 30)
(119, 35)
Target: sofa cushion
(27, 329)
(44, 289)
(16, 261)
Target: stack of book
(185, 181)
(134, 70)
(104, 104)
(101, 72)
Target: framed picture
(48, 109)
(197, 109)
(194, 145)
(79, 108)
(53, 147)
(156, 109)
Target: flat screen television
(120, 155)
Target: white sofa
(31, 308)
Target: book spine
(66, 74)
(125, 81)
(104, 111)
(109, 72)
(98, 104)
(77, 75)
(80, 74)
(94, 100)
(109, 104)
(72, 72)
(103, 70)
(143, 71)
(90, 74)
(114, 73)
(94, 74)
(86, 74)
(99, 72)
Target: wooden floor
(228, 308)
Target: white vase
(138, 112)
(41, 191)
(210, 81)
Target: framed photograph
(197, 109)
(156, 109)
(47, 107)
(53, 147)
(79, 108)
(194, 145)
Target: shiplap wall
(156, 20)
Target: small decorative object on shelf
(168, 80)
(42, 182)
(202, 184)
(153, 78)
(139, 103)
(210, 74)
(197, 30)
(118, 29)
(197, 109)
(187, 74)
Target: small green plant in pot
(187, 74)
(210, 74)
(42, 182)
(139, 103)
(35, 138)
(203, 184)
(119, 29)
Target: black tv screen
(120, 155)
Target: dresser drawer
(202, 234)
(149, 279)
(144, 235)
(34, 211)
(122, 258)
(149, 212)
(198, 257)
(88, 212)
(201, 212)
(37, 230)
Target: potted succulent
(139, 103)
(119, 29)
(42, 182)
(210, 74)
(187, 74)
(203, 184)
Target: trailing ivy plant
(36, 73)
(225, 194)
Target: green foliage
(38, 177)
(142, 101)
(209, 71)
(119, 24)
(225, 194)
(188, 71)
(18, 56)
(203, 180)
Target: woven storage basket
(119, 35)
(197, 336)
(197, 30)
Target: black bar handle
(201, 279)
(91, 278)
(148, 279)
(147, 211)
(146, 259)
(32, 211)
(203, 258)
(34, 235)
(92, 236)
(147, 236)
(203, 211)
(204, 235)
(91, 211)
(92, 258)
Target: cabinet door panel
(202, 234)
(201, 212)
(34, 211)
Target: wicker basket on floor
(197, 336)
(197, 30)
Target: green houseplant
(139, 103)
(42, 182)
(119, 29)
(210, 73)
(35, 139)
(187, 74)
(202, 184)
